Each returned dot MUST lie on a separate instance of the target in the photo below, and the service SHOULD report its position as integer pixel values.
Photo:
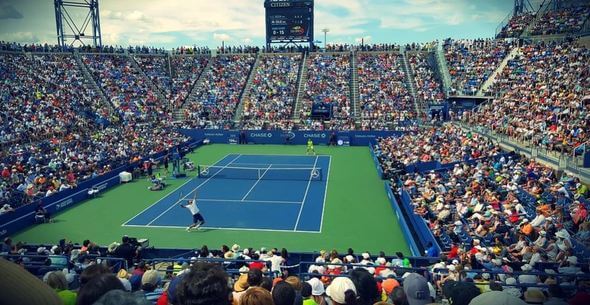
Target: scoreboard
(289, 21)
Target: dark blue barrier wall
(402, 221)
(357, 138)
(417, 222)
(25, 216)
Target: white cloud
(222, 37)
(248, 40)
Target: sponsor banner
(355, 138)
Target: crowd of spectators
(428, 87)
(192, 51)
(238, 50)
(516, 25)
(563, 20)
(41, 169)
(45, 96)
(72, 274)
(543, 97)
(383, 95)
(447, 144)
(471, 62)
(175, 76)
(218, 95)
(271, 98)
(328, 82)
(506, 214)
(125, 87)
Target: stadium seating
(562, 20)
(219, 91)
(503, 218)
(427, 84)
(383, 94)
(271, 99)
(471, 62)
(328, 81)
(46, 96)
(446, 145)
(126, 89)
(516, 25)
(175, 76)
(540, 100)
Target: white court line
(274, 164)
(236, 200)
(305, 195)
(187, 195)
(224, 228)
(257, 181)
(325, 193)
(176, 189)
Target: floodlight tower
(521, 7)
(325, 31)
(77, 31)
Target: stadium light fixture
(325, 31)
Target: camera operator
(128, 250)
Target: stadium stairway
(540, 12)
(246, 90)
(151, 84)
(197, 84)
(410, 79)
(354, 86)
(89, 80)
(443, 68)
(301, 80)
(515, 51)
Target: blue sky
(172, 23)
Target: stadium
(142, 164)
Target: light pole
(325, 31)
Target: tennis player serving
(310, 148)
(198, 219)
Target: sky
(173, 23)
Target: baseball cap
(389, 285)
(416, 289)
(150, 277)
(496, 297)
(317, 287)
(336, 291)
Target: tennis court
(248, 192)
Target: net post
(199, 171)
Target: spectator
(283, 294)
(57, 281)
(97, 287)
(342, 292)
(257, 296)
(205, 284)
(118, 297)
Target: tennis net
(262, 173)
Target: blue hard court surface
(295, 205)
